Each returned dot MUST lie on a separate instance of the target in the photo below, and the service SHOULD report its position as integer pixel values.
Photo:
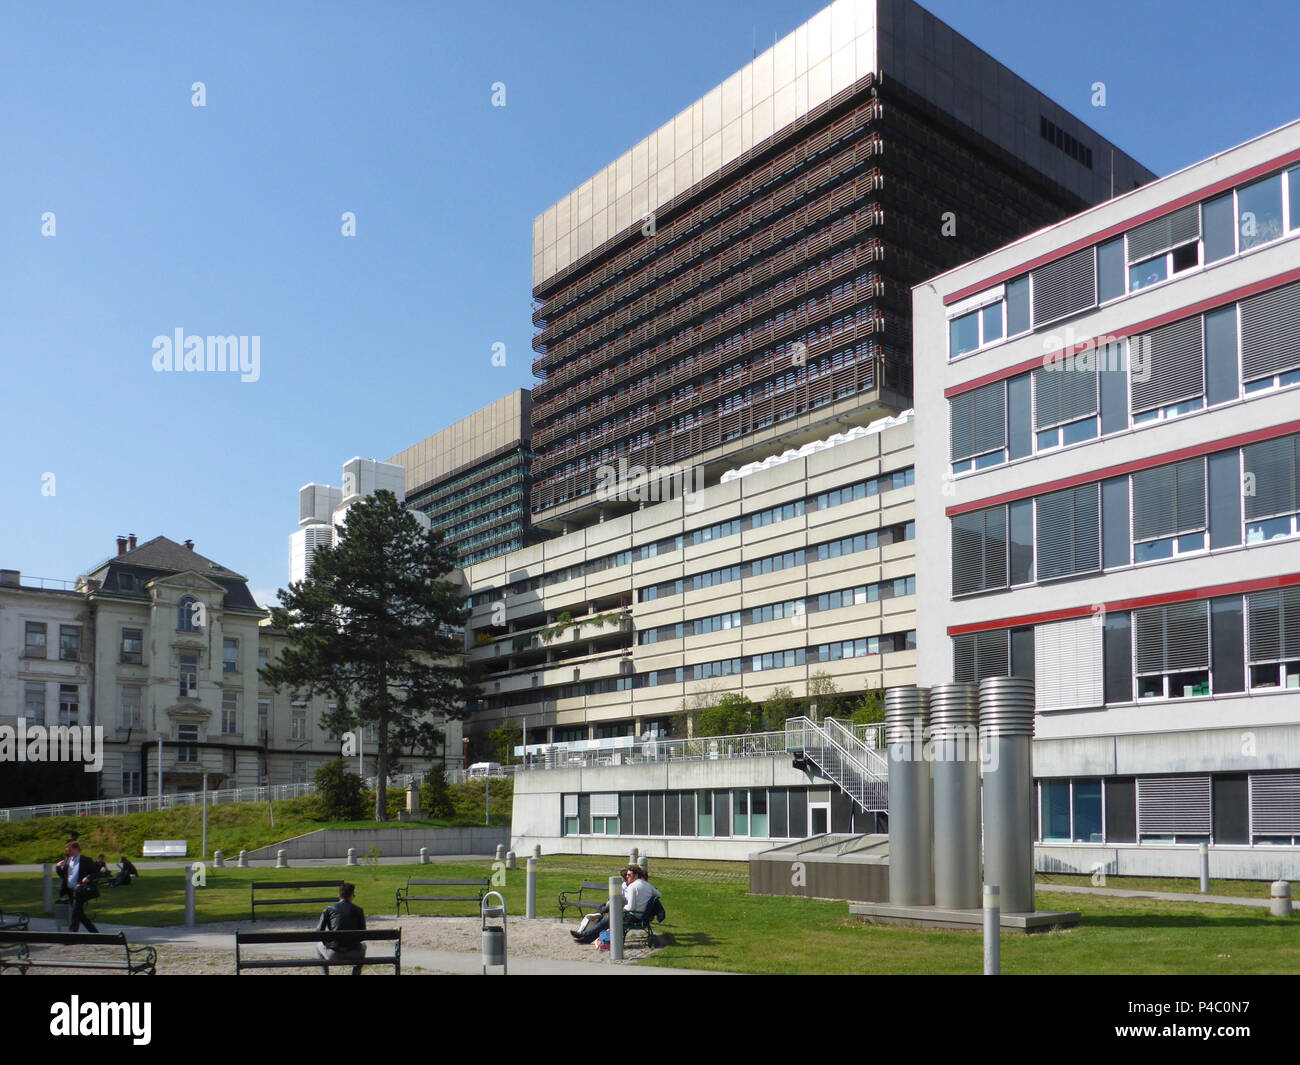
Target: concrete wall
(392, 842)
(1228, 863)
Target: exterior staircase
(839, 753)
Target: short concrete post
(501, 852)
(218, 859)
(530, 901)
(1205, 868)
(424, 855)
(992, 931)
(243, 859)
(281, 862)
(511, 861)
(616, 918)
(1280, 899)
(47, 887)
(634, 856)
(537, 852)
(352, 856)
(645, 864)
(191, 904)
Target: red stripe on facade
(1261, 584)
(1227, 443)
(1222, 185)
(1209, 304)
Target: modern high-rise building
(471, 479)
(738, 282)
(1113, 407)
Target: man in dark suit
(342, 916)
(77, 881)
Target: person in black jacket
(342, 916)
(126, 873)
(77, 881)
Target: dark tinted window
(1121, 811)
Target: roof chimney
(132, 541)
(10, 578)
(121, 545)
(189, 545)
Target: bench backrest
(356, 935)
(594, 885)
(272, 885)
(102, 939)
(421, 882)
(165, 848)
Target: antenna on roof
(755, 40)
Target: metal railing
(862, 781)
(139, 804)
(869, 754)
(643, 752)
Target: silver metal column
(954, 732)
(911, 863)
(1006, 732)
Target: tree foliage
(732, 715)
(435, 795)
(374, 627)
(778, 706)
(341, 794)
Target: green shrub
(435, 798)
(340, 794)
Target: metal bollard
(47, 888)
(424, 855)
(501, 852)
(243, 859)
(1280, 899)
(218, 860)
(616, 918)
(281, 862)
(537, 852)
(191, 903)
(352, 856)
(511, 861)
(530, 902)
(992, 931)
(1205, 868)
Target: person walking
(77, 881)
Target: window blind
(1169, 367)
(1274, 625)
(604, 804)
(978, 655)
(1067, 527)
(1270, 332)
(571, 806)
(1173, 638)
(979, 421)
(1063, 393)
(1064, 287)
(979, 551)
(1169, 500)
(1169, 806)
(1272, 482)
(1074, 678)
(1162, 234)
(1275, 804)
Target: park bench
(292, 885)
(640, 922)
(134, 961)
(573, 900)
(348, 939)
(404, 896)
(164, 848)
(12, 920)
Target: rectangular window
(133, 646)
(1231, 808)
(1222, 377)
(704, 801)
(1020, 425)
(69, 643)
(1174, 809)
(229, 655)
(1167, 371)
(1220, 230)
(34, 702)
(798, 828)
(132, 706)
(1086, 807)
(1056, 810)
(189, 676)
(979, 551)
(1259, 212)
(298, 725)
(1064, 287)
(978, 655)
(69, 704)
(1223, 484)
(1169, 513)
(1067, 529)
(721, 813)
(1111, 275)
(1270, 334)
(1017, 297)
(1227, 644)
(1271, 488)
(689, 822)
(1164, 246)
(263, 720)
(130, 782)
(778, 813)
(1116, 534)
(35, 640)
(1275, 807)
(740, 812)
(1074, 649)
(1112, 386)
(656, 813)
(1021, 536)
(758, 813)
(1172, 650)
(978, 434)
(672, 814)
(1118, 653)
(1121, 810)
(1065, 403)
(1273, 626)
(229, 713)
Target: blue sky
(225, 219)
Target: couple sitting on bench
(640, 902)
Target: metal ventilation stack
(911, 865)
(954, 733)
(1006, 715)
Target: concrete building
(471, 479)
(1115, 424)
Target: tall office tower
(737, 283)
(1121, 520)
(471, 479)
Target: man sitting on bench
(126, 873)
(342, 916)
(638, 894)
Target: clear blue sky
(226, 219)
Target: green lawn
(713, 923)
(1255, 889)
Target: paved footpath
(1163, 896)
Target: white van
(483, 769)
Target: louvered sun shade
(978, 655)
(1162, 234)
(1063, 393)
(1067, 529)
(1270, 332)
(1169, 806)
(1169, 500)
(1274, 619)
(979, 551)
(1074, 650)
(604, 804)
(1169, 367)
(979, 421)
(1173, 638)
(1272, 482)
(1275, 804)
(1064, 287)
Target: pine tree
(374, 626)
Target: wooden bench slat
(308, 963)
(264, 885)
(308, 937)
